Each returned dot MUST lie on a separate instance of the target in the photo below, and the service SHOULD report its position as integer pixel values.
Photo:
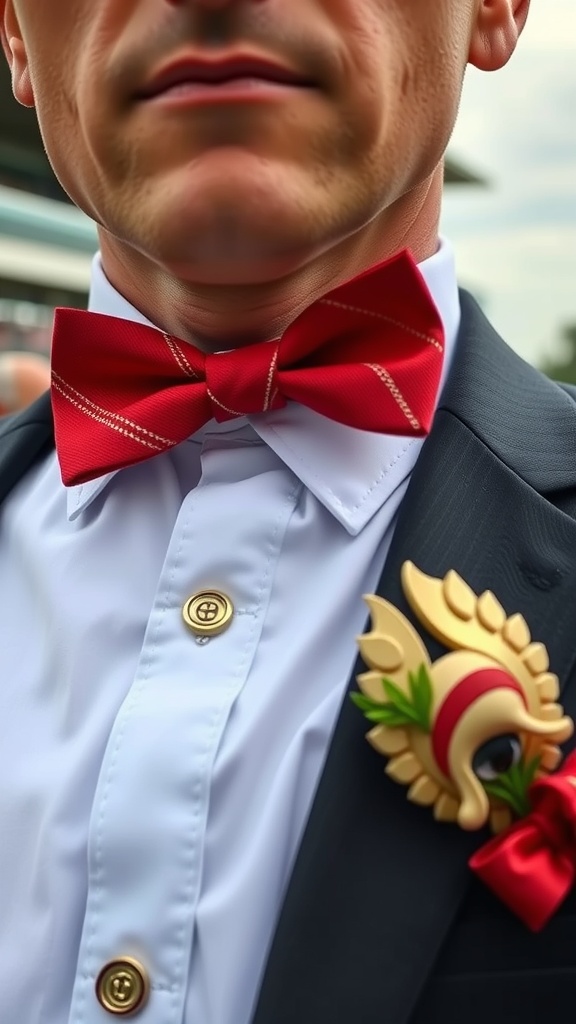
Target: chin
(233, 240)
(254, 264)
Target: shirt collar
(352, 472)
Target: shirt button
(122, 986)
(208, 612)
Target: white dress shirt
(154, 789)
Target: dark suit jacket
(382, 922)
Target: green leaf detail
(362, 702)
(400, 701)
(399, 709)
(421, 692)
(512, 787)
(381, 714)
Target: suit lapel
(377, 883)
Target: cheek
(62, 121)
(72, 91)
(404, 83)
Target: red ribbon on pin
(531, 866)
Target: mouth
(238, 74)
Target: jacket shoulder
(527, 420)
(24, 438)
(569, 389)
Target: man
(193, 826)
(24, 376)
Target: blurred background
(510, 205)
(515, 239)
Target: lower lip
(238, 90)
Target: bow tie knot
(238, 387)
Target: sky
(515, 240)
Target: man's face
(195, 186)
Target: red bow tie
(368, 354)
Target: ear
(13, 46)
(496, 31)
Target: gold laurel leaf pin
(470, 732)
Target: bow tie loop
(238, 384)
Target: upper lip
(201, 69)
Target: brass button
(122, 987)
(208, 613)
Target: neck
(229, 314)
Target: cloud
(551, 26)
(522, 114)
(516, 240)
(527, 299)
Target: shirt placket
(149, 816)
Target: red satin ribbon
(531, 866)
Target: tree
(564, 367)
